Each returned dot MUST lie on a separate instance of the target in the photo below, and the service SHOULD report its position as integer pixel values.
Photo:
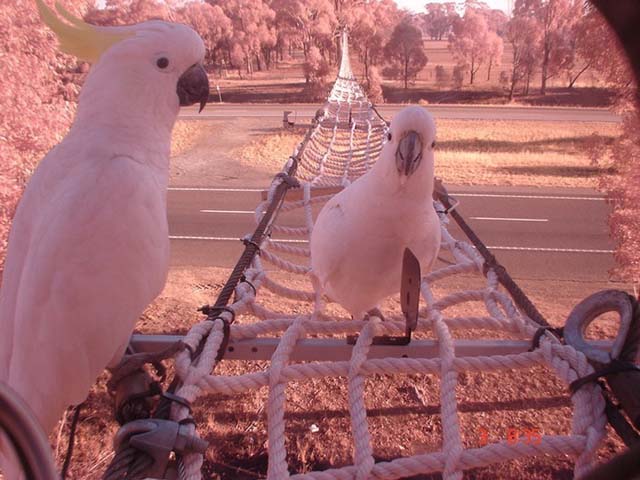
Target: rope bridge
(295, 340)
(348, 136)
(344, 141)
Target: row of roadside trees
(559, 39)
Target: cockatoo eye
(433, 144)
(389, 136)
(162, 62)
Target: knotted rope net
(343, 144)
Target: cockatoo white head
(151, 68)
(407, 156)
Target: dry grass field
(285, 84)
(472, 152)
(405, 420)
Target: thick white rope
(334, 156)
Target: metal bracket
(618, 365)
(158, 438)
(440, 193)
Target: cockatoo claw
(374, 312)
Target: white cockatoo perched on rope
(89, 246)
(359, 237)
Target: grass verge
(473, 152)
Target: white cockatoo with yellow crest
(360, 235)
(89, 248)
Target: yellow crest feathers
(78, 38)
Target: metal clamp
(618, 365)
(291, 181)
(453, 204)
(158, 438)
(591, 308)
(441, 195)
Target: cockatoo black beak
(409, 153)
(193, 87)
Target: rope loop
(290, 181)
(248, 242)
(613, 367)
(535, 342)
(243, 279)
(213, 312)
(172, 397)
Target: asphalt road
(536, 234)
(303, 113)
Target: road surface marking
(214, 189)
(230, 239)
(244, 114)
(534, 197)
(291, 240)
(251, 212)
(486, 195)
(552, 250)
(500, 219)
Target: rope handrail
(491, 262)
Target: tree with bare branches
(404, 52)
(470, 43)
(555, 20)
(370, 26)
(523, 35)
(439, 19)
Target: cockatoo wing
(328, 230)
(426, 244)
(95, 255)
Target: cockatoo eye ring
(162, 62)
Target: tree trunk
(514, 79)
(489, 70)
(573, 80)
(365, 62)
(545, 67)
(473, 73)
(406, 73)
(515, 60)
